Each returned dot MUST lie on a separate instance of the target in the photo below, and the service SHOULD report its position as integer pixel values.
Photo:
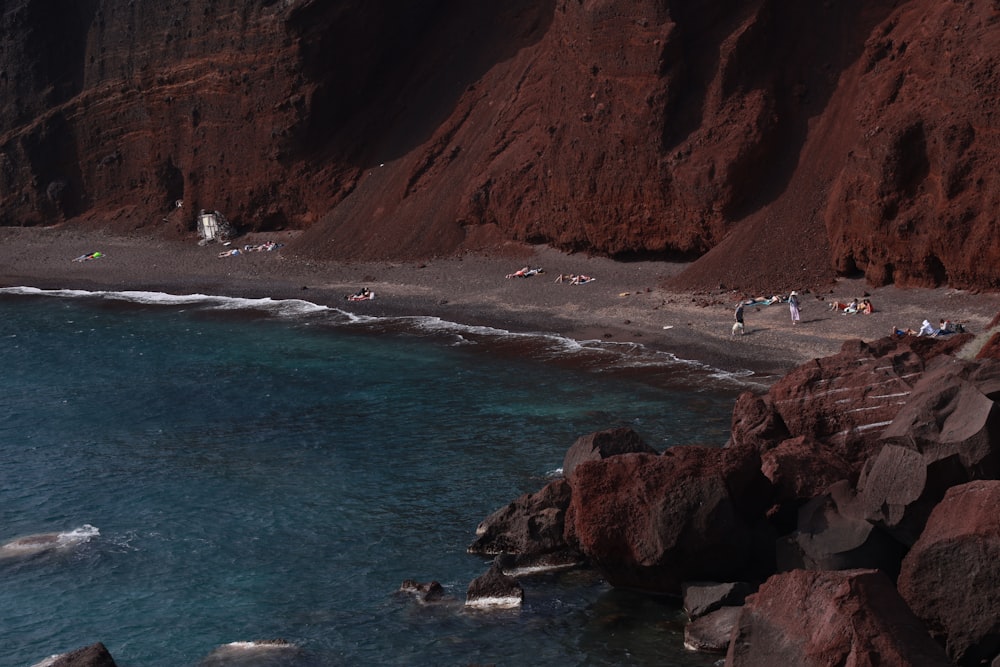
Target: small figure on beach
(793, 306)
(581, 280)
(363, 294)
(738, 327)
(525, 272)
(89, 256)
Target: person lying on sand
(89, 256)
(524, 273)
(363, 294)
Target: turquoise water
(255, 470)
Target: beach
(625, 302)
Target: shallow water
(260, 469)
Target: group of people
(571, 278)
(944, 328)
(574, 279)
(267, 246)
(794, 309)
(865, 307)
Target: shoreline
(624, 304)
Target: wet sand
(625, 302)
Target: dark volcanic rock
(702, 598)
(601, 445)
(651, 522)
(431, 591)
(494, 589)
(831, 535)
(817, 619)
(951, 576)
(531, 528)
(95, 655)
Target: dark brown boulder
(951, 575)
(494, 589)
(755, 423)
(712, 632)
(800, 468)
(531, 528)
(95, 655)
(601, 445)
(701, 598)
(652, 522)
(817, 619)
(951, 413)
(830, 535)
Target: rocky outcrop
(529, 533)
(779, 143)
(816, 619)
(951, 575)
(829, 489)
(494, 589)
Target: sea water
(202, 471)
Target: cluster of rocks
(850, 519)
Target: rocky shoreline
(850, 519)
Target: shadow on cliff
(385, 76)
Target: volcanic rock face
(962, 536)
(791, 140)
(852, 617)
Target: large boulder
(821, 618)
(951, 413)
(951, 575)
(801, 468)
(652, 522)
(601, 445)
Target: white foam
(508, 602)
(40, 543)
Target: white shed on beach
(213, 226)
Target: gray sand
(624, 303)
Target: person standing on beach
(738, 326)
(793, 306)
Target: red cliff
(779, 143)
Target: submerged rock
(95, 655)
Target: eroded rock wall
(780, 142)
